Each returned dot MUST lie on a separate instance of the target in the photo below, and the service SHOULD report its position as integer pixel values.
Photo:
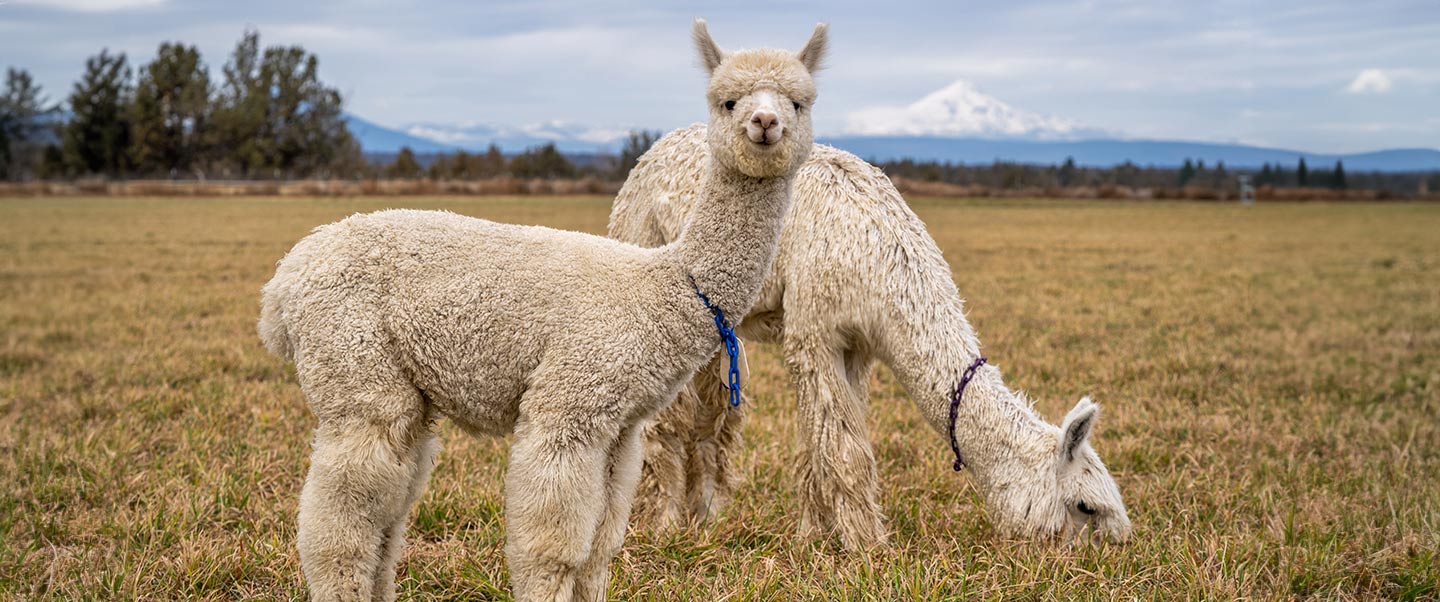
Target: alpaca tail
(275, 297)
(273, 331)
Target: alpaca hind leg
(625, 461)
(660, 497)
(420, 462)
(838, 479)
(555, 498)
(359, 486)
(716, 438)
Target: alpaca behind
(857, 279)
(568, 340)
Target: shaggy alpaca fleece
(568, 340)
(857, 278)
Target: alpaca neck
(729, 243)
(994, 426)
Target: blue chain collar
(727, 336)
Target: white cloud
(1370, 81)
(93, 6)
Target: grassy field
(1270, 378)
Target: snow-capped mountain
(962, 110)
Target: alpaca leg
(420, 462)
(555, 498)
(710, 473)
(660, 496)
(359, 487)
(625, 461)
(838, 479)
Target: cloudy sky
(1316, 75)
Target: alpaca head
(1059, 487)
(760, 102)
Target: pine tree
(239, 118)
(1302, 174)
(276, 116)
(460, 166)
(405, 166)
(1187, 171)
(1066, 174)
(495, 162)
(52, 163)
(542, 162)
(439, 167)
(1337, 179)
(98, 135)
(22, 108)
(168, 117)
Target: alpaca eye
(729, 105)
(1084, 508)
(797, 106)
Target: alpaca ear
(813, 54)
(710, 54)
(1076, 427)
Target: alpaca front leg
(358, 488)
(659, 501)
(625, 463)
(838, 478)
(555, 498)
(716, 440)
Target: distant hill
(430, 138)
(568, 138)
(378, 139)
(1105, 153)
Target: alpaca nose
(764, 119)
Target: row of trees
(1003, 175)
(268, 115)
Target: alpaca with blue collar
(568, 340)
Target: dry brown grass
(1269, 378)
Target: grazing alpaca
(856, 278)
(570, 341)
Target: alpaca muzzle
(764, 128)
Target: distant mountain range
(477, 137)
(378, 139)
(957, 123)
(1105, 153)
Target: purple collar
(955, 408)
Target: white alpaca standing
(856, 278)
(569, 340)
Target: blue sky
(1318, 76)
